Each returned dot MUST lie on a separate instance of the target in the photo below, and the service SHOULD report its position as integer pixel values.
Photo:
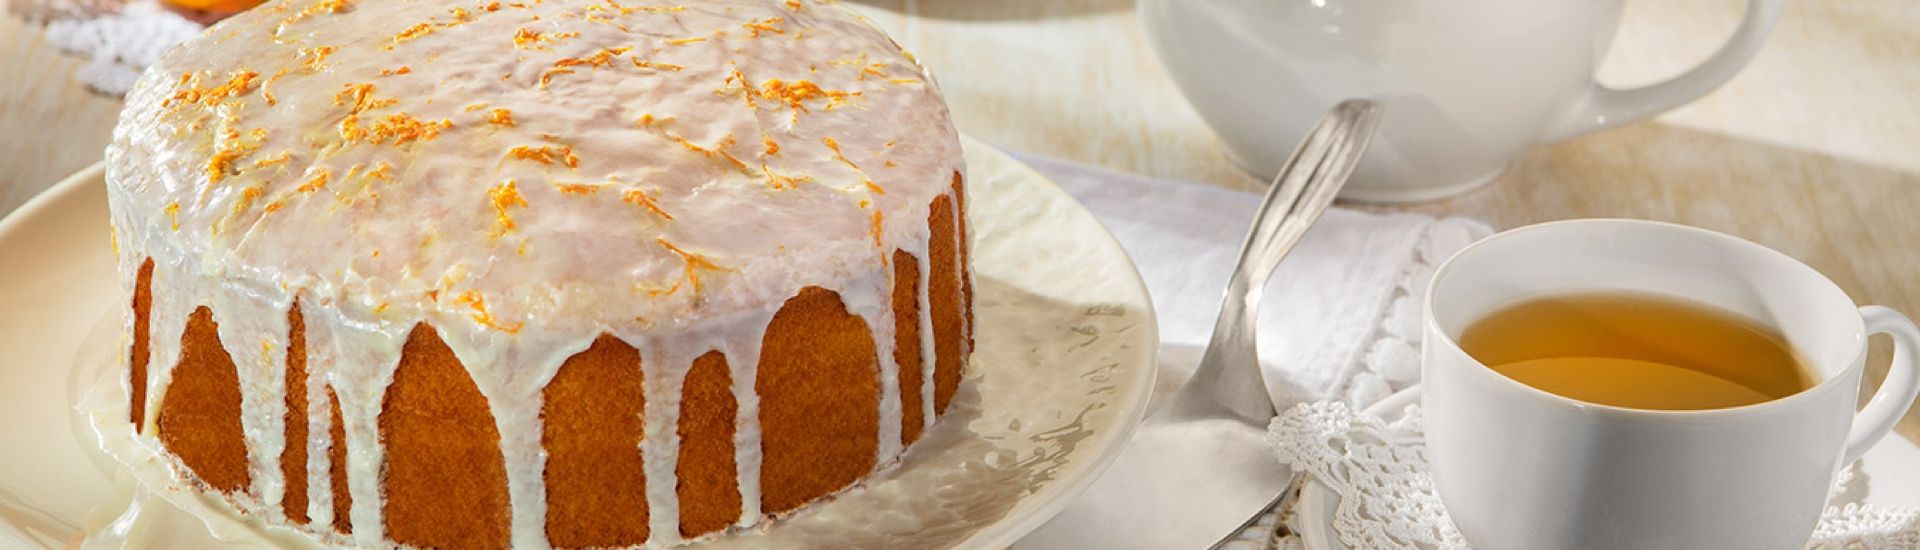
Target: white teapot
(1465, 85)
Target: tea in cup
(1634, 384)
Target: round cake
(546, 273)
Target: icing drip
(319, 444)
(743, 360)
(874, 304)
(255, 328)
(666, 374)
(927, 355)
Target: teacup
(1521, 468)
(1466, 85)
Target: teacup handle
(1602, 107)
(1890, 403)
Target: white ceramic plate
(1064, 365)
(1886, 475)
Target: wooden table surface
(1813, 150)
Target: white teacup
(1465, 85)
(1520, 468)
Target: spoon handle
(1227, 383)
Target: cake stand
(1061, 374)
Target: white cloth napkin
(1340, 319)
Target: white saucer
(1064, 365)
(1886, 474)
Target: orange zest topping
(383, 171)
(281, 158)
(314, 58)
(694, 262)
(547, 77)
(875, 188)
(719, 149)
(504, 196)
(688, 40)
(598, 59)
(247, 196)
(773, 147)
(777, 180)
(837, 155)
(411, 33)
(735, 76)
(525, 38)
(533, 40)
(769, 24)
(323, 6)
(403, 128)
(403, 69)
(878, 225)
(636, 196)
(651, 9)
(545, 154)
(266, 91)
(794, 5)
(577, 188)
(173, 214)
(478, 302)
(350, 130)
(637, 62)
(796, 94)
(657, 292)
(361, 97)
(500, 117)
(233, 148)
(238, 83)
(315, 183)
(491, 6)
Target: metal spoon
(1200, 464)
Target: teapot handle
(1602, 107)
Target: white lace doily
(119, 39)
(1379, 470)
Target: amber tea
(1637, 351)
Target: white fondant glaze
(253, 329)
(927, 355)
(872, 301)
(167, 322)
(966, 274)
(743, 365)
(319, 447)
(516, 284)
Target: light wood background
(1814, 150)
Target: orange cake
(546, 273)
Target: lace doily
(118, 38)
(1379, 470)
